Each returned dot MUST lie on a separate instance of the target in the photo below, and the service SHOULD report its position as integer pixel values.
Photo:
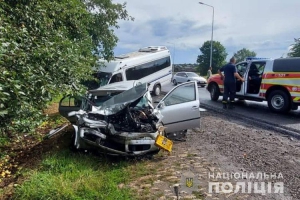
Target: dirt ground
(221, 145)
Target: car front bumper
(201, 83)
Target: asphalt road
(257, 110)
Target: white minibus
(152, 65)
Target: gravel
(238, 147)
(224, 144)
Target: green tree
(243, 53)
(47, 47)
(218, 57)
(295, 49)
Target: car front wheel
(214, 92)
(174, 82)
(279, 101)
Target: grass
(4, 141)
(198, 194)
(142, 168)
(53, 121)
(65, 175)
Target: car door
(178, 77)
(67, 104)
(180, 108)
(240, 86)
(255, 72)
(184, 77)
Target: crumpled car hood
(118, 102)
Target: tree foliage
(218, 57)
(243, 53)
(48, 47)
(295, 49)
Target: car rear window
(286, 65)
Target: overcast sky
(266, 27)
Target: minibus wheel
(156, 90)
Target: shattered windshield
(103, 77)
(120, 101)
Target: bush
(47, 47)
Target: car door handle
(195, 108)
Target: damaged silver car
(120, 119)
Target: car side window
(242, 67)
(71, 102)
(182, 94)
(260, 67)
(65, 102)
(116, 78)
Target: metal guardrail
(56, 131)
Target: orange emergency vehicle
(276, 81)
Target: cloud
(267, 27)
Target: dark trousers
(229, 91)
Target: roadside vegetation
(49, 48)
(64, 175)
(33, 167)
(295, 48)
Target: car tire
(214, 92)
(279, 101)
(174, 82)
(202, 86)
(156, 90)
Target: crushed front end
(125, 124)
